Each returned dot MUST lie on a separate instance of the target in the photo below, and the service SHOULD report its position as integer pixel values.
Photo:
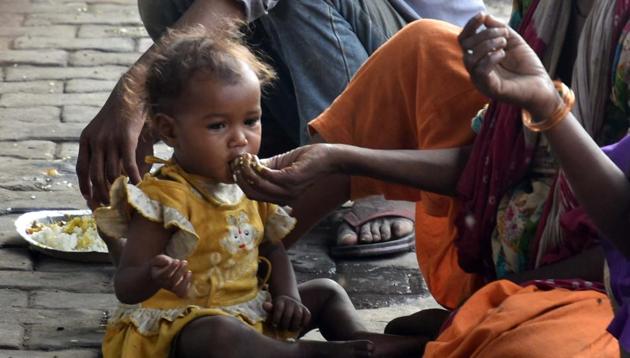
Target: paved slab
(58, 61)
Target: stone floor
(58, 61)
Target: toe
(402, 227)
(375, 229)
(366, 233)
(386, 232)
(346, 235)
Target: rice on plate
(66, 234)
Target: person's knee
(207, 334)
(329, 288)
(428, 32)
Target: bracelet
(568, 99)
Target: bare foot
(383, 229)
(426, 323)
(358, 349)
(373, 219)
(391, 346)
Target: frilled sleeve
(277, 221)
(156, 200)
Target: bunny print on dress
(241, 234)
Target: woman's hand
(503, 66)
(285, 176)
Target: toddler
(188, 274)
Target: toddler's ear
(165, 126)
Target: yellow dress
(218, 230)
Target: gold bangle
(568, 99)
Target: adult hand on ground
(504, 67)
(112, 143)
(284, 177)
(288, 314)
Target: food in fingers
(247, 160)
(179, 274)
(163, 268)
(181, 288)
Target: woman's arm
(434, 170)
(287, 176)
(586, 265)
(145, 240)
(599, 185)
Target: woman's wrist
(549, 121)
(338, 158)
(544, 108)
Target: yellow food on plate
(76, 234)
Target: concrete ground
(58, 61)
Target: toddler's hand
(288, 314)
(171, 274)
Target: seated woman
(516, 217)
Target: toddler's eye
(216, 126)
(252, 122)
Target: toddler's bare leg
(335, 316)
(221, 336)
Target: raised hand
(287, 314)
(504, 67)
(171, 274)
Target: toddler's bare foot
(425, 323)
(391, 346)
(345, 349)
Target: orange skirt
(413, 93)
(504, 319)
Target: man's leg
(323, 43)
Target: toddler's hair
(180, 55)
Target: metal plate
(25, 221)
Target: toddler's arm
(282, 281)
(143, 270)
(287, 310)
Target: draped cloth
(507, 320)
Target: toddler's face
(216, 122)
